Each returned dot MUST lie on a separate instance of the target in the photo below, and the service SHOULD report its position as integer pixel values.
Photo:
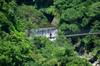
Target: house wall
(50, 33)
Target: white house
(50, 32)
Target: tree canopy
(72, 16)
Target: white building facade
(50, 32)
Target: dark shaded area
(90, 46)
(5, 28)
(43, 3)
(49, 17)
(74, 40)
(92, 60)
(91, 21)
(80, 48)
(84, 0)
(27, 2)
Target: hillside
(68, 17)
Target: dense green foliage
(72, 16)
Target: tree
(15, 50)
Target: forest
(67, 16)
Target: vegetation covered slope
(72, 16)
